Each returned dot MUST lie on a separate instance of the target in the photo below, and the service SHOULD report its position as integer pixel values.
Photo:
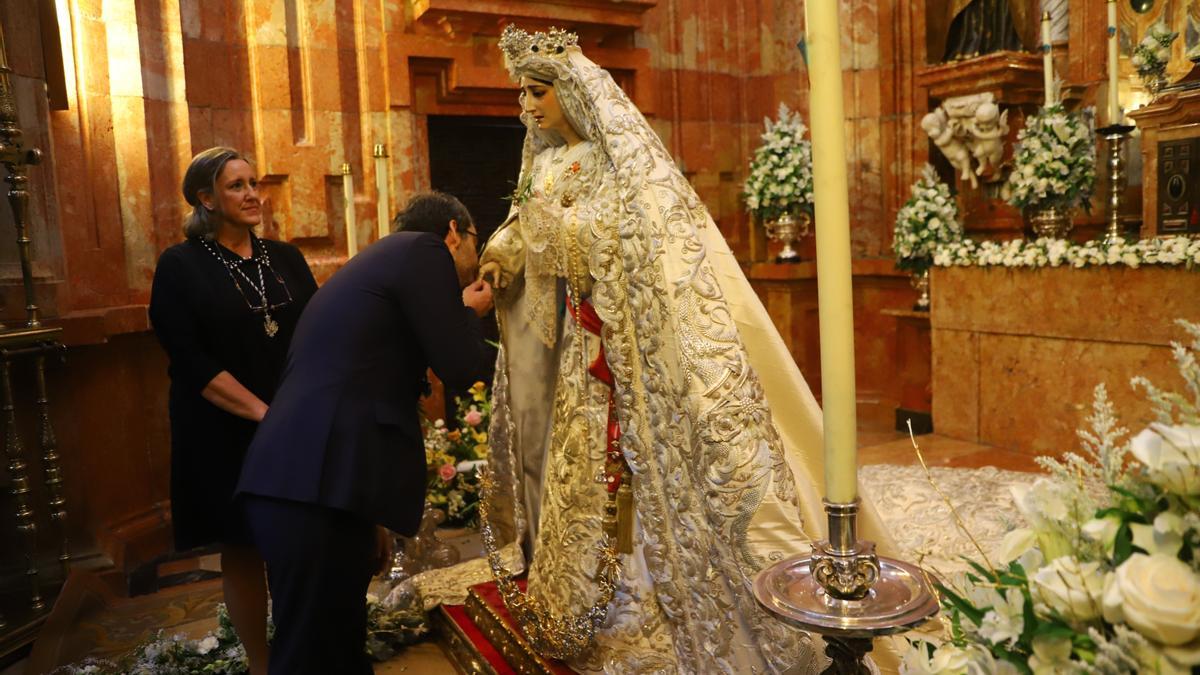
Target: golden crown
(519, 46)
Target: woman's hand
(225, 392)
(490, 272)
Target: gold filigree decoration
(558, 637)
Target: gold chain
(558, 637)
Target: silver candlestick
(1115, 134)
(847, 593)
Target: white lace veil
(718, 425)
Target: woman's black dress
(206, 325)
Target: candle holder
(846, 593)
(1115, 134)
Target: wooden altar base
(481, 638)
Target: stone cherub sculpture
(970, 132)
(986, 133)
(945, 134)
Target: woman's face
(236, 197)
(539, 100)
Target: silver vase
(786, 229)
(1051, 221)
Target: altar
(1017, 352)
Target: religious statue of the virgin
(644, 401)
(977, 27)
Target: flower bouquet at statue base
(1054, 169)
(453, 458)
(1106, 578)
(778, 190)
(927, 221)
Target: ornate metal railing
(29, 343)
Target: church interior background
(393, 97)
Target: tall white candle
(835, 300)
(1114, 106)
(382, 215)
(348, 201)
(1047, 60)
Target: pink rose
(473, 417)
(447, 472)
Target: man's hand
(490, 272)
(478, 296)
(383, 550)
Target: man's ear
(453, 238)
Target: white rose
(1162, 55)
(1171, 455)
(1070, 588)
(1158, 595)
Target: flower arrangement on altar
(1049, 252)
(928, 220)
(389, 627)
(454, 456)
(1152, 54)
(1106, 578)
(780, 178)
(1054, 165)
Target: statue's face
(539, 100)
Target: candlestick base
(846, 593)
(1115, 134)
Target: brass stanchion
(1115, 134)
(14, 451)
(33, 341)
(51, 471)
(16, 159)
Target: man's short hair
(432, 212)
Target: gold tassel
(625, 516)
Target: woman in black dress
(224, 306)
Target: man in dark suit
(340, 450)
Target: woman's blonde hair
(201, 176)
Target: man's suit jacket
(343, 430)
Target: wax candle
(383, 217)
(348, 201)
(1114, 106)
(1047, 60)
(834, 296)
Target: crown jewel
(520, 46)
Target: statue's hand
(490, 272)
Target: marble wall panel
(1113, 303)
(956, 384)
(1035, 392)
